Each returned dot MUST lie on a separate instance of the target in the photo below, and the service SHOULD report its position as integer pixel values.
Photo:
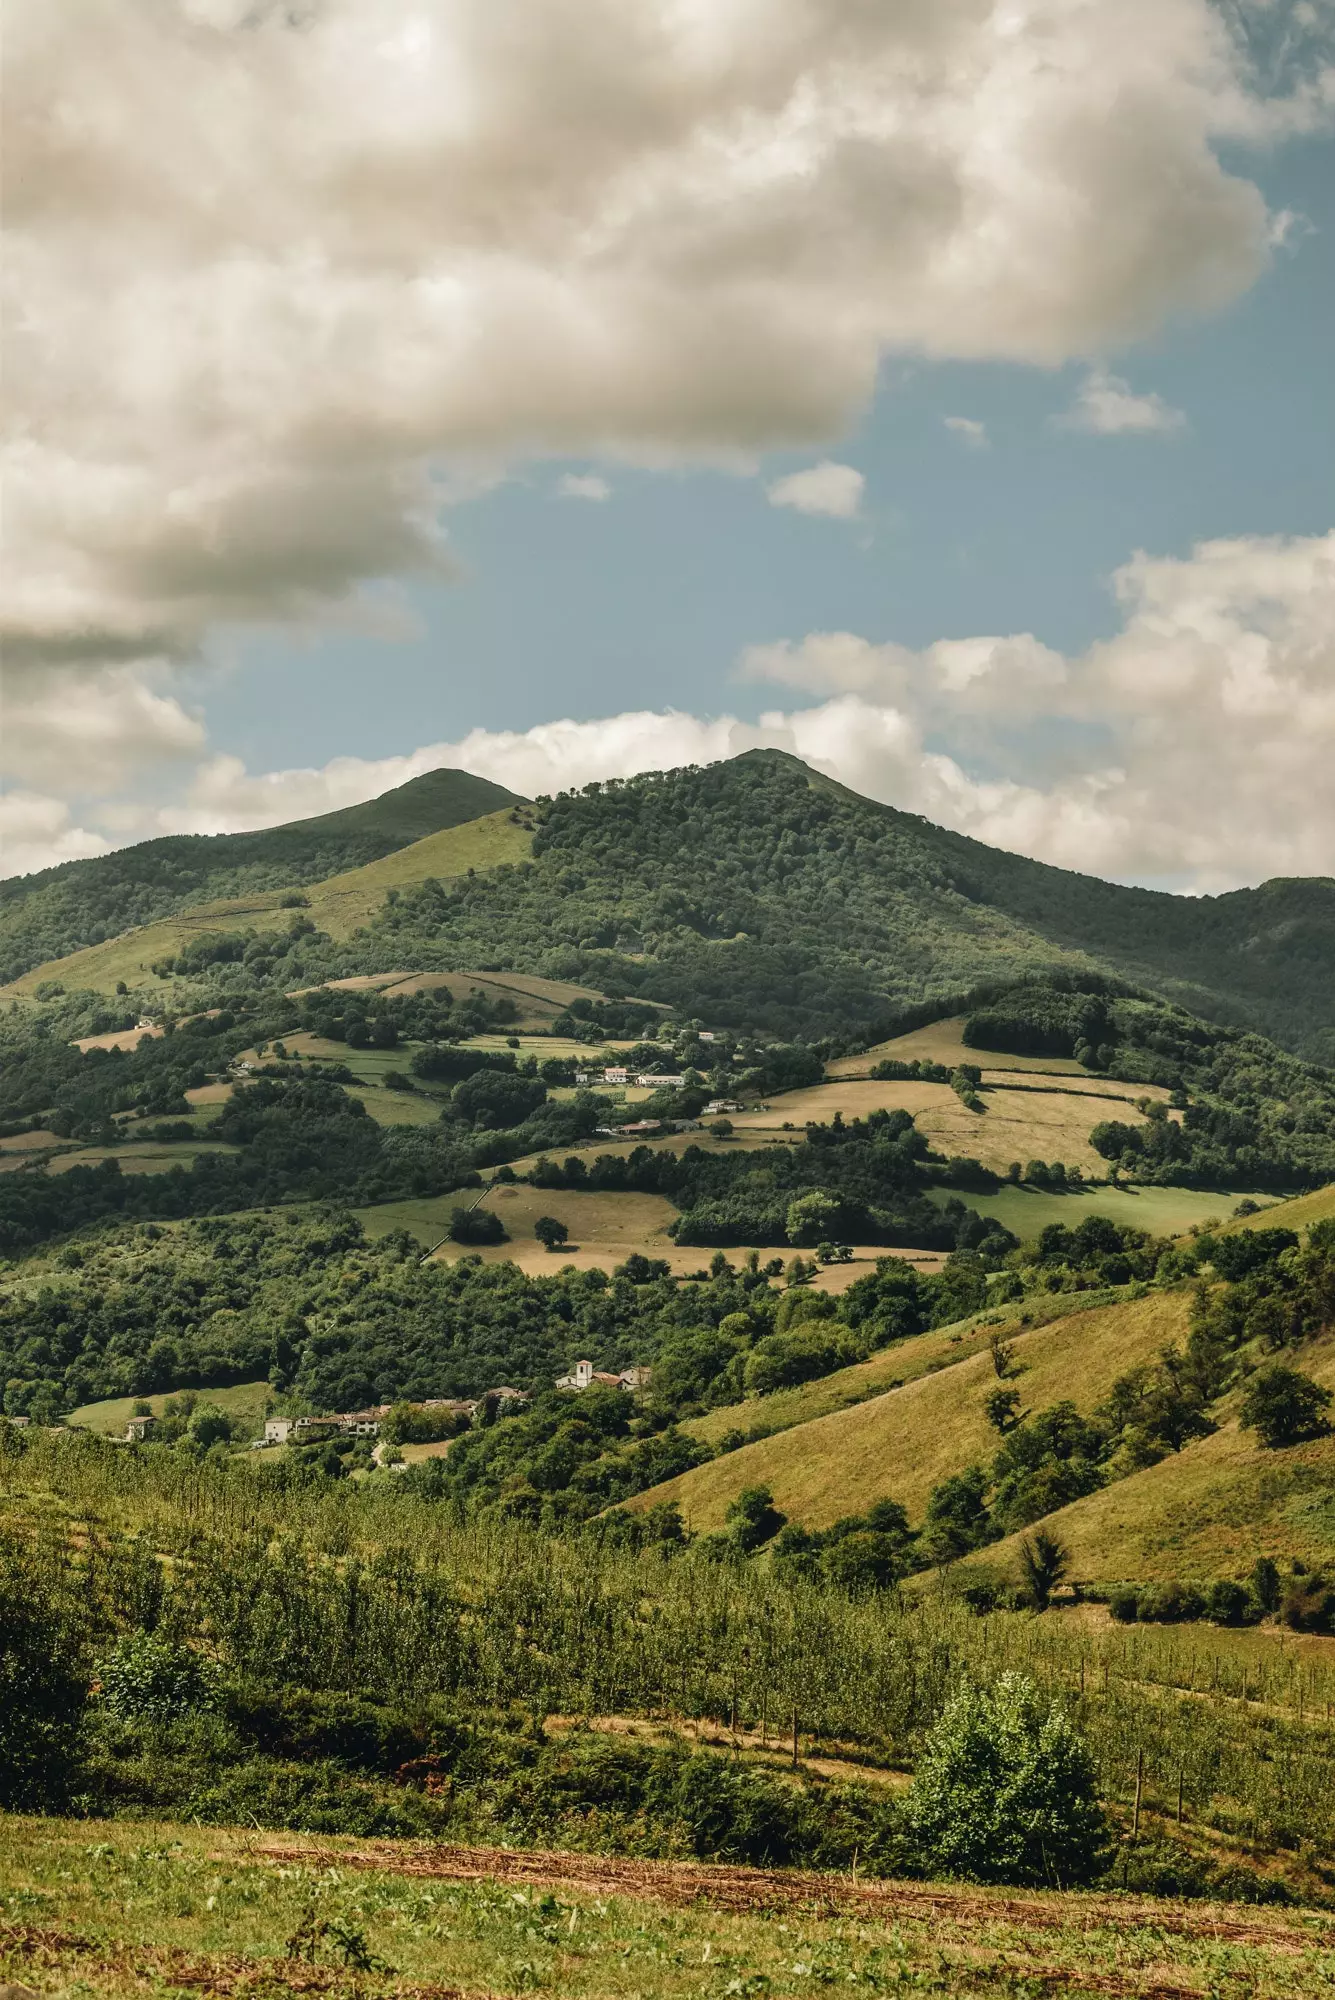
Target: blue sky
(436, 409)
(568, 608)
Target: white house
(616, 1076)
(651, 1082)
(585, 1375)
(277, 1430)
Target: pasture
(1160, 1211)
(246, 1401)
(901, 1444)
(151, 1157)
(943, 1042)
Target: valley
(922, 1297)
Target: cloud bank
(1192, 749)
(276, 272)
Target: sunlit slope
(1300, 1213)
(900, 1445)
(337, 905)
(343, 902)
(1209, 1510)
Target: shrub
(477, 1225)
(1004, 1791)
(1170, 1603)
(1283, 1406)
(149, 1678)
(43, 1689)
(1124, 1606)
(1229, 1603)
(1309, 1605)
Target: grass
(942, 1041)
(246, 1400)
(150, 1158)
(1163, 1211)
(338, 905)
(1209, 1510)
(1300, 1213)
(155, 1909)
(1021, 1122)
(901, 1444)
(343, 902)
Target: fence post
(794, 1739)
(1140, 1779)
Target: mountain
(758, 893)
(755, 893)
(47, 915)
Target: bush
(1124, 1606)
(1309, 1605)
(477, 1225)
(43, 1689)
(148, 1678)
(1004, 1791)
(1229, 1603)
(1284, 1407)
(1170, 1603)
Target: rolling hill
(48, 915)
(755, 893)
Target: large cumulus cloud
(275, 269)
(1192, 749)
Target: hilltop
(755, 893)
(60, 910)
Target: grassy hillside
(338, 906)
(48, 915)
(903, 1443)
(1208, 1510)
(246, 1401)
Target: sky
(938, 389)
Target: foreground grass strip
(116, 1908)
(763, 1889)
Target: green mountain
(46, 915)
(759, 894)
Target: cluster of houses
(366, 1423)
(643, 1079)
(585, 1375)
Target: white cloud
(35, 833)
(276, 272)
(826, 488)
(89, 728)
(968, 430)
(584, 486)
(1193, 746)
(1106, 405)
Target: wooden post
(1180, 1776)
(1140, 1779)
(794, 1739)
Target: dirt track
(756, 1889)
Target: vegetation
(79, 903)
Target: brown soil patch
(758, 1889)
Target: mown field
(1160, 1211)
(943, 1041)
(155, 1909)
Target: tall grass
(376, 1592)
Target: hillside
(48, 915)
(753, 894)
(756, 893)
(900, 1444)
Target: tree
(498, 1098)
(1043, 1564)
(43, 1687)
(753, 1519)
(476, 1225)
(1005, 1791)
(1002, 1408)
(550, 1233)
(813, 1218)
(1284, 1407)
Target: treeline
(1251, 1115)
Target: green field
(943, 1042)
(116, 1910)
(244, 1400)
(1162, 1211)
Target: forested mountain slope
(758, 893)
(754, 894)
(47, 915)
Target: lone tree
(1005, 1791)
(1043, 1564)
(1283, 1407)
(550, 1233)
(753, 1519)
(1002, 1409)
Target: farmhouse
(138, 1429)
(616, 1076)
(585, 1375)
(648, 1081)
